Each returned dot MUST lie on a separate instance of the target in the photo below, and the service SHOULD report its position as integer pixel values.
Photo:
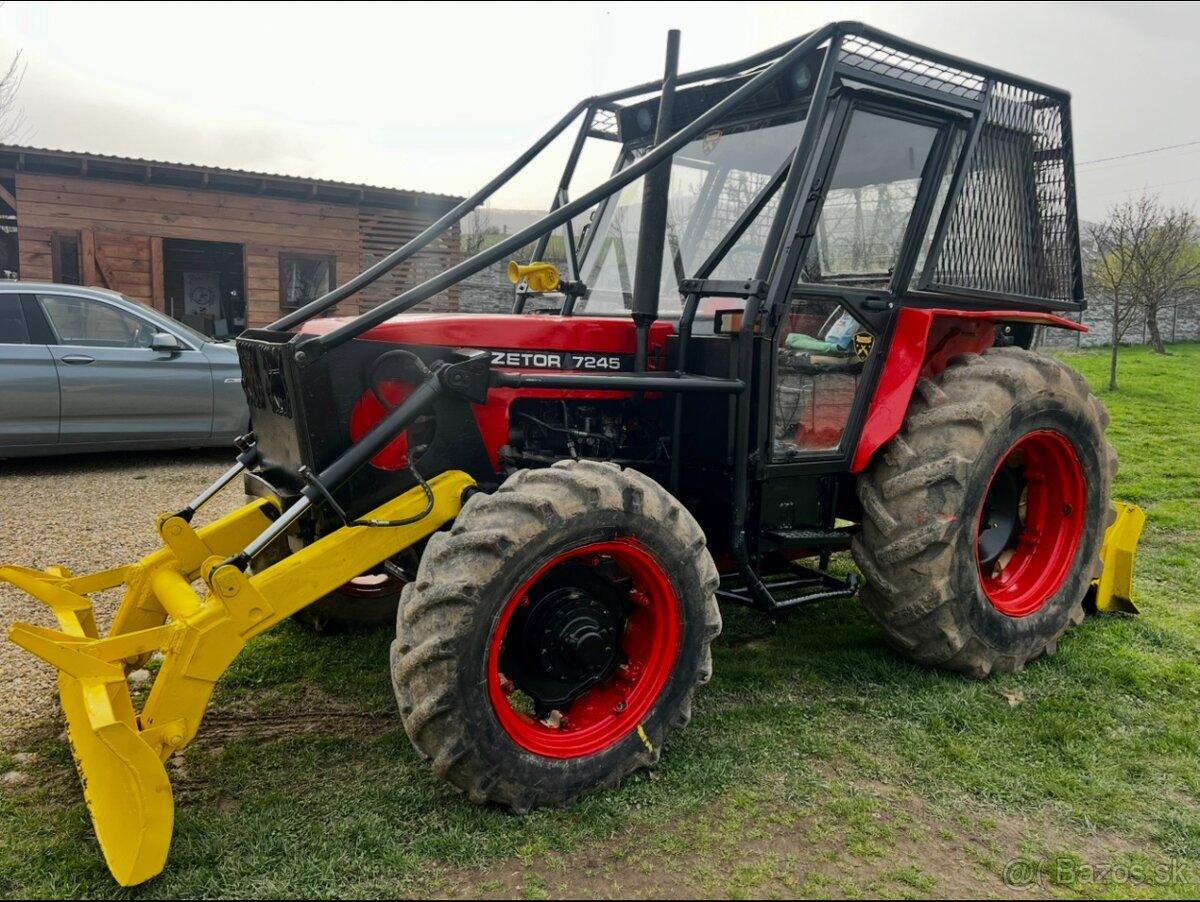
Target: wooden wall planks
(122, 225)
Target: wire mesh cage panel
(1013, 228)
(872, 56)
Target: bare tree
(1166, 266)
(12, 118)
(1146, 260)
(1109, 273)
(476, 229)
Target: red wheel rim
(1050, 511)
(649, 645)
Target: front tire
(555, 636)
(983, 520)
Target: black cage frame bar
(765, 67)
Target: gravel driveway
(85, 512)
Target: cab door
(881, 173)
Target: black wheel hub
(566, 638)
(1000, 522)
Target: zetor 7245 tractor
(797, 321)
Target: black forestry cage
(1001, 233)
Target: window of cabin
(304, 278)
(65, 258)
(869, 201)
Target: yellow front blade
(120, 755)
(125, 783)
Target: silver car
(85, 369)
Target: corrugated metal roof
(20, 151)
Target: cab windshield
(714, 180)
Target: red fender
(924, 342)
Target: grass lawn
(818, 763)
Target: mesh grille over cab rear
(1013, 230)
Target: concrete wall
(488, 291)
(1178, 323)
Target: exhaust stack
(647, 274)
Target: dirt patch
(855, 839)
(310, 711)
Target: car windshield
(162, 319)
(714, 180)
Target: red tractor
(797, 321)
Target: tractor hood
(521, 341)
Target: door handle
(78, 359)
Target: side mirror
(165, 341)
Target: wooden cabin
(218, 249)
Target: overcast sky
(440, 96)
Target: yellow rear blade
(1114, 588)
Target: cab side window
(869, 202)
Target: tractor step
(799, 539)
(797, 585)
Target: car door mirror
(165, 341)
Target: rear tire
(983, 520)
(346, 610)
(581, 583)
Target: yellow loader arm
(120, 754)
